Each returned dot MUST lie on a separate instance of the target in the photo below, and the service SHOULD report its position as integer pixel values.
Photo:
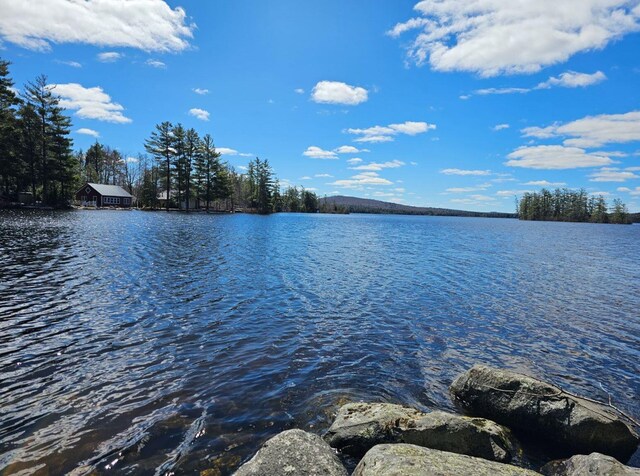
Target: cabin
(100, 195)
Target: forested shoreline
(571, 206)
(180, 169)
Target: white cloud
(150, 25)
(555, 157)
(477, 188)
(155, 63)
(364, 178)
(612, 174)
(349, 149)
(335, 92)
(323, 176)
(378, 134)
(376, 167)
(306, 177)
(500, 127)
(317, 153)
(73, 64)
(568, 79)
(464, 172)
(201, 91)
(298, 91)
(199, 114)
(355, 160)
(634, 192)
(132, 160)
(108, 56)
(88, 132)
(492, 37)
(571, 79)
(604, 194)
(488, 91)
(89, 103)
(545, 183)
(511, 193)
(593, 131)
(226, 151)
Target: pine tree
(160, 146)
(10, 163)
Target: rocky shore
(500, 405)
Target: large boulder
(358, 427)
(595, 464)
(572, 424)
(411, 460)
(294, 452)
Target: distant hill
(365, 205)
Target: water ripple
(150, 343)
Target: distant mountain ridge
(366, 205)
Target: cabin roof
(109, 190)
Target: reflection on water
(150, 342)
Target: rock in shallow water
(358, 427)
(293, 453)
(595, 464)
(545, 411)
(411, 460)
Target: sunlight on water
(152, 342)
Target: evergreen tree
(160, 146)
(10, 165)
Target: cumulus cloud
(89, 103)
(201, 91)
(612, 174)
(378, 134)
(500, 127)
(592, 131)
(364, 178)
(571, 79)
(298, 91)
(349, 149)
(492, 37)
(555, 157)
(88, 132)
(464, 172)
(377, 166)
(323, 176)
(335, 92)
(155, 63)
(199, 114)
(355, 160)
(108, 56)
(150, 25)
(317, 153)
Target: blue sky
(447, 103)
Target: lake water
(144, 343)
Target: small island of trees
(571, 205)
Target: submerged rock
(595, 464)
(358, 427)
(572, 424)
(293, 452)
(411, 460)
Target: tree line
(180, 169)
(36, 154)
(570, 205)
